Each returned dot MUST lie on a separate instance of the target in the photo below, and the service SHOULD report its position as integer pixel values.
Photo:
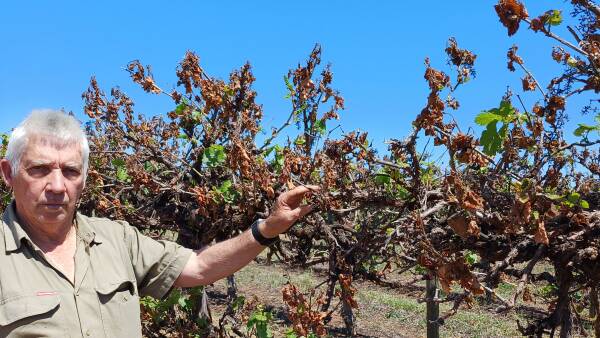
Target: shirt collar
(14, 232)
(85, 231)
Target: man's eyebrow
(73, 165)
(35, 163)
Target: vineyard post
(433, 308)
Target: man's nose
(56, 182)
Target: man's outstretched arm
(212, 263)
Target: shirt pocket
(120, 307)
(30, 316)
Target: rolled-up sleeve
(156, 264)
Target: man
(63, 274)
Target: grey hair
(50, 125)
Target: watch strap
(259, 237)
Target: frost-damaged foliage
(200, 172)
(520, 193)
(195, 171)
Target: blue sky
(49, 50)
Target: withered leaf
(463, 226)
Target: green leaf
(555, 18)
(300, 110)
(5, 138)
(574, 197)
(320, 127)
(382, 178)
(553, 197)
(225, 186)
(584, 204)
(402, 193)
(279, 160)
(196, 291)
(122, 174)
(548, 290)
(181, 301)
(258, 316)
(227, 192)
(121, 170)
(300, 140)
(484, 118)
(214, 156)
(584, 129)
(149, 167)
(180, 109)
(268, 151)
(503, 131)
(238, 302)
(118, 162)
(197, 115)
(421, 270)
(572, 62)
(491, 140)
(290, 333)
(507, 111)
(228, 90)
(288, 84)
(471, 257)
(259, 321)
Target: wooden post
(433, 308)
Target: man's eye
(38, 170)
(70, 172)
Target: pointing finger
(294, 196)
(304, 210)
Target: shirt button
(87, 333)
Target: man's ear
(6, 172)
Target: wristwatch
(259, 237)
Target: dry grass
(383, 312)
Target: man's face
(48, 183)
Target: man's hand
(286, 211)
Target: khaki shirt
(114, 266)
